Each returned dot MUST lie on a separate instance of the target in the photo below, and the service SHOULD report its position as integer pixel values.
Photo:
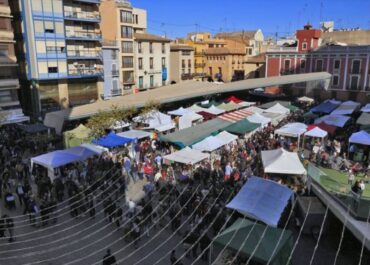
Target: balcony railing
(82, 15)
(89, 1)
(83, 54)
(286, 72)
(85, 72)
(282, 49)
(115, 73)
(200, 65)
(129, 80)
(186, 76)
(83, 35)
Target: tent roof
(80, 132)
(153, 119)
(366, 108)
(261, 199)
(214, 110)
(364, 119)
(316, 132)
(326, 127)
(207, 115)
(229, 106)
(112, 140)
(226, 137)
(309, 115)
(273, 103)
(280, 161)
(179, 112)
(347, 107)
(135, 134)
(236, 115)
(196, 133)
(164, 127)
(242, 127)
(192, 116)
(209, 144)
(290, 131)
(326, 107)
(187, 156)
(255, 109)
(234, 99)
(196, 108)
(335, 120)
(246, 104)
(258, 118)
(360, 137)
(244, 235)
(306, 99)
(278, 108)
(63, 157)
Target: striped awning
(236, 116)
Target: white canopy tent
(196, 108)
(164, 127)
(209, 144)
(154, 119)
(255, 109)
(135, 134)
(280, 161)
(214, 110)
(275, 117)
(306, 99)
(258, 118)
(290, 131)
(180, 112)
(366, 108)
(316, 132)
(187, 120)
(187, 156)
(226, 137)
(279, 109)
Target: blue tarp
(360, 137)
(261, 199)
(112, 140)
(326, 107)
(346, 108)
(334, 120)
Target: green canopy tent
(243, 235)
(229, 106)
(242, 127)
(77, 136)
(310, 115)
(195, 133)
(286, 104)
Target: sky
(175, 18)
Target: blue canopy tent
(112, 140)
(346, 108)
(261, 199)
(326, 107)
(361, 137)
(334, 120)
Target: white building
(152, 59)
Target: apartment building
(119, 21)
(348, 64)
(152, 54)
(59, 49)
(182, 62)
(10, 109)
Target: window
(151, 47)
(163, 62)
(127, 47)
(335, 81)
(137, 19)
(356, 65)
(141, 82)
(186, 53)
(49, 27)
(319, 66)
(304, 46)
(127, 62)
(115, 86)
(163, 48)
(183, 63)
(189, 63)
(336, 65)
(139, 47)
(287, 65)
(220, 70)
(126, 32)
(210, 71)
(52, 70)
(126, 17)
(152, 81)
(303, 65)
(128, 77)
(114, 69)
(151, 62)
(140, 63)
(354, 82)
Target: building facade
(348, 64)
(10, 109)
(152, 55)
(110, 52)
(59, 52)
(119, 23)
(181, 62)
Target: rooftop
(226, 51)
(358, 37)
(150, 37)
(181, 47)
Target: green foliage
(2, 117)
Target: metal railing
(82, 15)
(200, 65)
(282, 49)
(85, 71)
(86, 54)
(83, 34)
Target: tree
(3, 116)
(148, 108)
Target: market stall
(278, 109)
(280, 161)
(258, 118)
(326, 107)
(187, 156)
(346, 108)
(335, 120)
(112, 140)
(242, 127)
(187, 120)
(209, 144)
(226, 137)
(135, 134)
(77, 136)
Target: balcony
(5, 11)
(83, 35)
(282, 49)
(186, 77)
(92, 55)
(8, 82)
(124, 3)
(6, 36)
(82, 16)
(88, 1)
(199, 65)
(85, 72)
(8, 61)
(115, 73)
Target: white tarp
(164, 127)
(214, 110)
(255, 109)
(54, 120)
(366, 108)
(246, 104)
(278, 108)
(306, 99)
(297, 125)
(196, 108)
(135, 134)
(187, 156)
(154, 119)
(226, 137)
(258, 118)
(187, 120)
(275, 117)
(280, 161)
(179, 112)
(316, 132)
(290, 131)
(209, 144)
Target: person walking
(109, 259)
(9, 224)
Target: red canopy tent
(234, 99)
(207, 116)
(326, 127)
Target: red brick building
(349, 65)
